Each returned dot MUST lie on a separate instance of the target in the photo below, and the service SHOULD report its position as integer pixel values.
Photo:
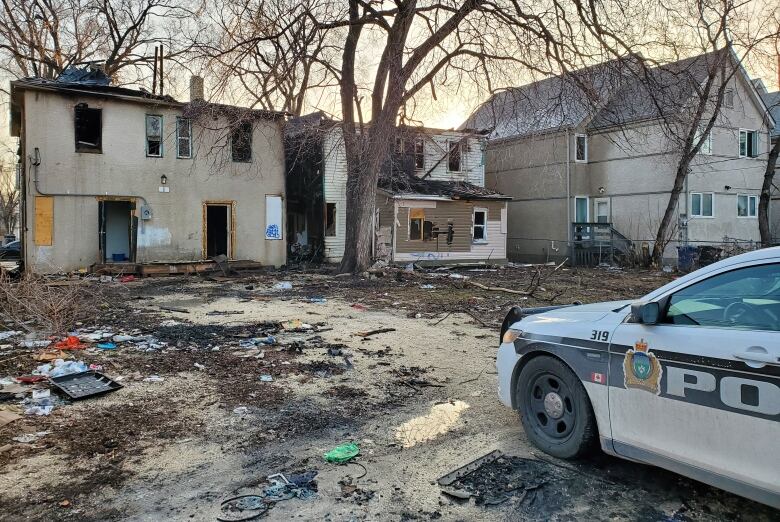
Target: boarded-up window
(88, 128)
(273, 217)
(416, 219)
(330, 219)
(44, 220)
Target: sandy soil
(419, 400)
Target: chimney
(196, 88)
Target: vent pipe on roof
(196, 88)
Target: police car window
(748, 298)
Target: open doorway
(218, 228)
(117, 226)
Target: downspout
(568, 195)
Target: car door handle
(766, 358)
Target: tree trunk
(660, 239)
(766, 192)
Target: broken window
(154, 135)
(480, 224)
(454, 156)
(399, 145)
(416, 219)
(183, 138)
(241, 143)
(330, 219)
(419, 154)
(89, 128)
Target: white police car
(687, 378)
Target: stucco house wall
(175, 231)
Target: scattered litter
(170, 322)
(241, 410)
(318, 300)
(70, 343)
(28, 438)
(296, 325)
(279, 489)
(8, 334)
(225, 312)
(50, 355)
(39, 410)
(7, 417)
(107, 346)
(60, 368)
(667, 269)
(36, 344)
(31, 379)
(358, 306)
(83, 385)
(127, 278)
(334, 350)
(199, 366)
(41, 394)
(123, 338)
(154, 378)
(427, 287)
(266, 378)
(283, 285)
(342, 453)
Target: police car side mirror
(645, 313)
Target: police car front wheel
(554, 408)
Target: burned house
(431, 202)
(116, 178)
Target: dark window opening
(581, 148)
(330, 219)
(728, 98)
(480, 221)
(427, 230)
(453, 160)
(419, 154)
(748, 143)
(217, 230)
(416, 219)
(241, 143)
(89, 129)
(154, 135)
(399, 146)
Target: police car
(687, 378)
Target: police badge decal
(641, 369)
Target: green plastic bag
(343, 453)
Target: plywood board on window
(43, 231)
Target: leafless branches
(9, 200)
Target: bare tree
(269, 54)
(43, 37)
(766, 192)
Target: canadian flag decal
(598, 378)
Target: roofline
(429, 197)
(142, 98)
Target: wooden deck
(171, 268)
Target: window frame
(474, 225)
(419, 140)
(706, 145)
(747, 206)
(728, 98)
(335, 219)
(460, 147)
(146, 134)
(89, 149)
(243, 125)
(748, 133)
(584, 137)
(179, 119)
(701, 215)
(587, 209)
(422, 224)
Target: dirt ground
(195, 425)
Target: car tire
(555, 409)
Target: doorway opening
(118, 227)
(218, 229)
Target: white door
(699, 392)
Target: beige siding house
(433, 185)
(115, 176)
(567, 161)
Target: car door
(699, 391)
